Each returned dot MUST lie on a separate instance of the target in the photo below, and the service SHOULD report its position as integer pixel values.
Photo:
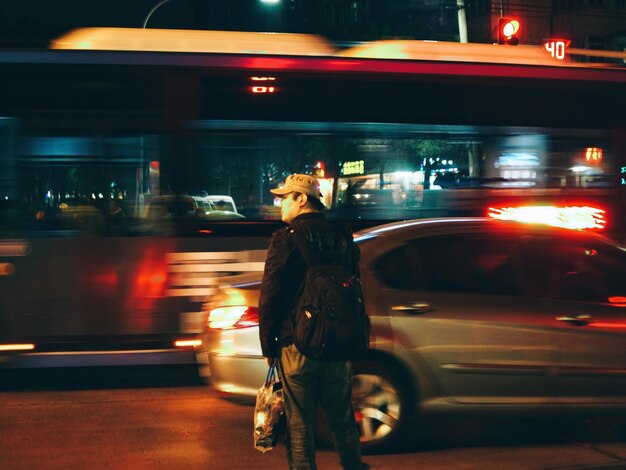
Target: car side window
(574, 269)
(456, 263)
(400, 269)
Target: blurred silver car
(467, 315)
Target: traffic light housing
(508, 29)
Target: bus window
(406, 171)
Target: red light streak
(106, 282)
(616, 325)
(147, 286)
(158, 278)
(269, 63)
(426, 68)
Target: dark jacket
(285, 271)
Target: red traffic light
(508, 29)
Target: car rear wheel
(380, 402)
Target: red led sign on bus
(260, 86)
(556, 47)
(263, 89)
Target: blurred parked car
(214, 202)
(171, 206)
(468, 315)
(185, 206)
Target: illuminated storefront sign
(593, 154)
(356, 167)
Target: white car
(216, 202)
(218, 207)
(186, 207)
(170, 206)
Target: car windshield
(222, 205)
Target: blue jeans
(307, 382)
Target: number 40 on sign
(556, 47)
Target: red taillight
(228, 318)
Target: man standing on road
(306, 381)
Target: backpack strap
(303, 245)
(305, 241)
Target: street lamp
(270, 18)
(145, 22)
(162, 2)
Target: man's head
(300, 194)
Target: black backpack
(329, 323)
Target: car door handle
(576, 320)
(415, 308)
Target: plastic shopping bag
(269, 413)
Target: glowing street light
(158, 5)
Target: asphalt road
(165, 419)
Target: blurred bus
(109, 119)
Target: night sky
(33, 23)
